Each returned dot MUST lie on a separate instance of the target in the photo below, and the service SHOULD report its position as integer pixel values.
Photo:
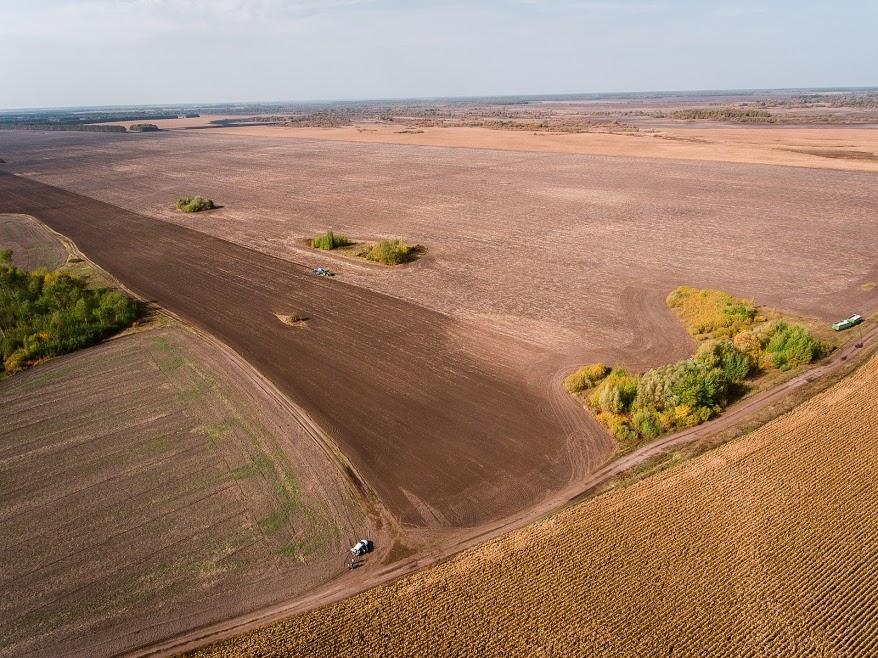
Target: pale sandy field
(775, 145)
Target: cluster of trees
(143, 127)
(329, 240)
(195, 204)
(736, 343)
(674, 396)
(391, 252)
(43, 314)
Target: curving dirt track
(450, 425)
(767, 546)
(840, 361)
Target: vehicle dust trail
(425, 407)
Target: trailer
(848, 323)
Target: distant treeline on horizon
(96, 114)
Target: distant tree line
(737, 114)
(83, 127)
(142, 127)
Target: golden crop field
(765, 546)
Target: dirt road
(450, 425)
(344, 588)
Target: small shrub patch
(390, 252)
(195, 204)
(329, 240)
(585, 377)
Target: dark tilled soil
(452, 426)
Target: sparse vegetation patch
(586, 377)
(195, 204)
(293, 319)
(711, 313)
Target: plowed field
(566, 251)
(451, 425)
(765, 546)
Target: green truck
(847, 324)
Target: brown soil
(703, 143)
(554, 249)
(764, 546)
(151, 485)
(840, 154)
(452, 426)
(562, 253)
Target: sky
(61, 53)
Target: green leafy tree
(43, 314)
(724, 355)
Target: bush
(646, 423)
(585, 377)
(712, 313)
(194, 204)
(329, 240)
(43, 314)
(724, 355)
(390, 252)
(618, 425)
(615, 393)
(688, 388)
(789, 346)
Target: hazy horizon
(646, 93)
(95, 53)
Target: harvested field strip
(136, 476)
(765, 546)
(32, 244)
(437, 416)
